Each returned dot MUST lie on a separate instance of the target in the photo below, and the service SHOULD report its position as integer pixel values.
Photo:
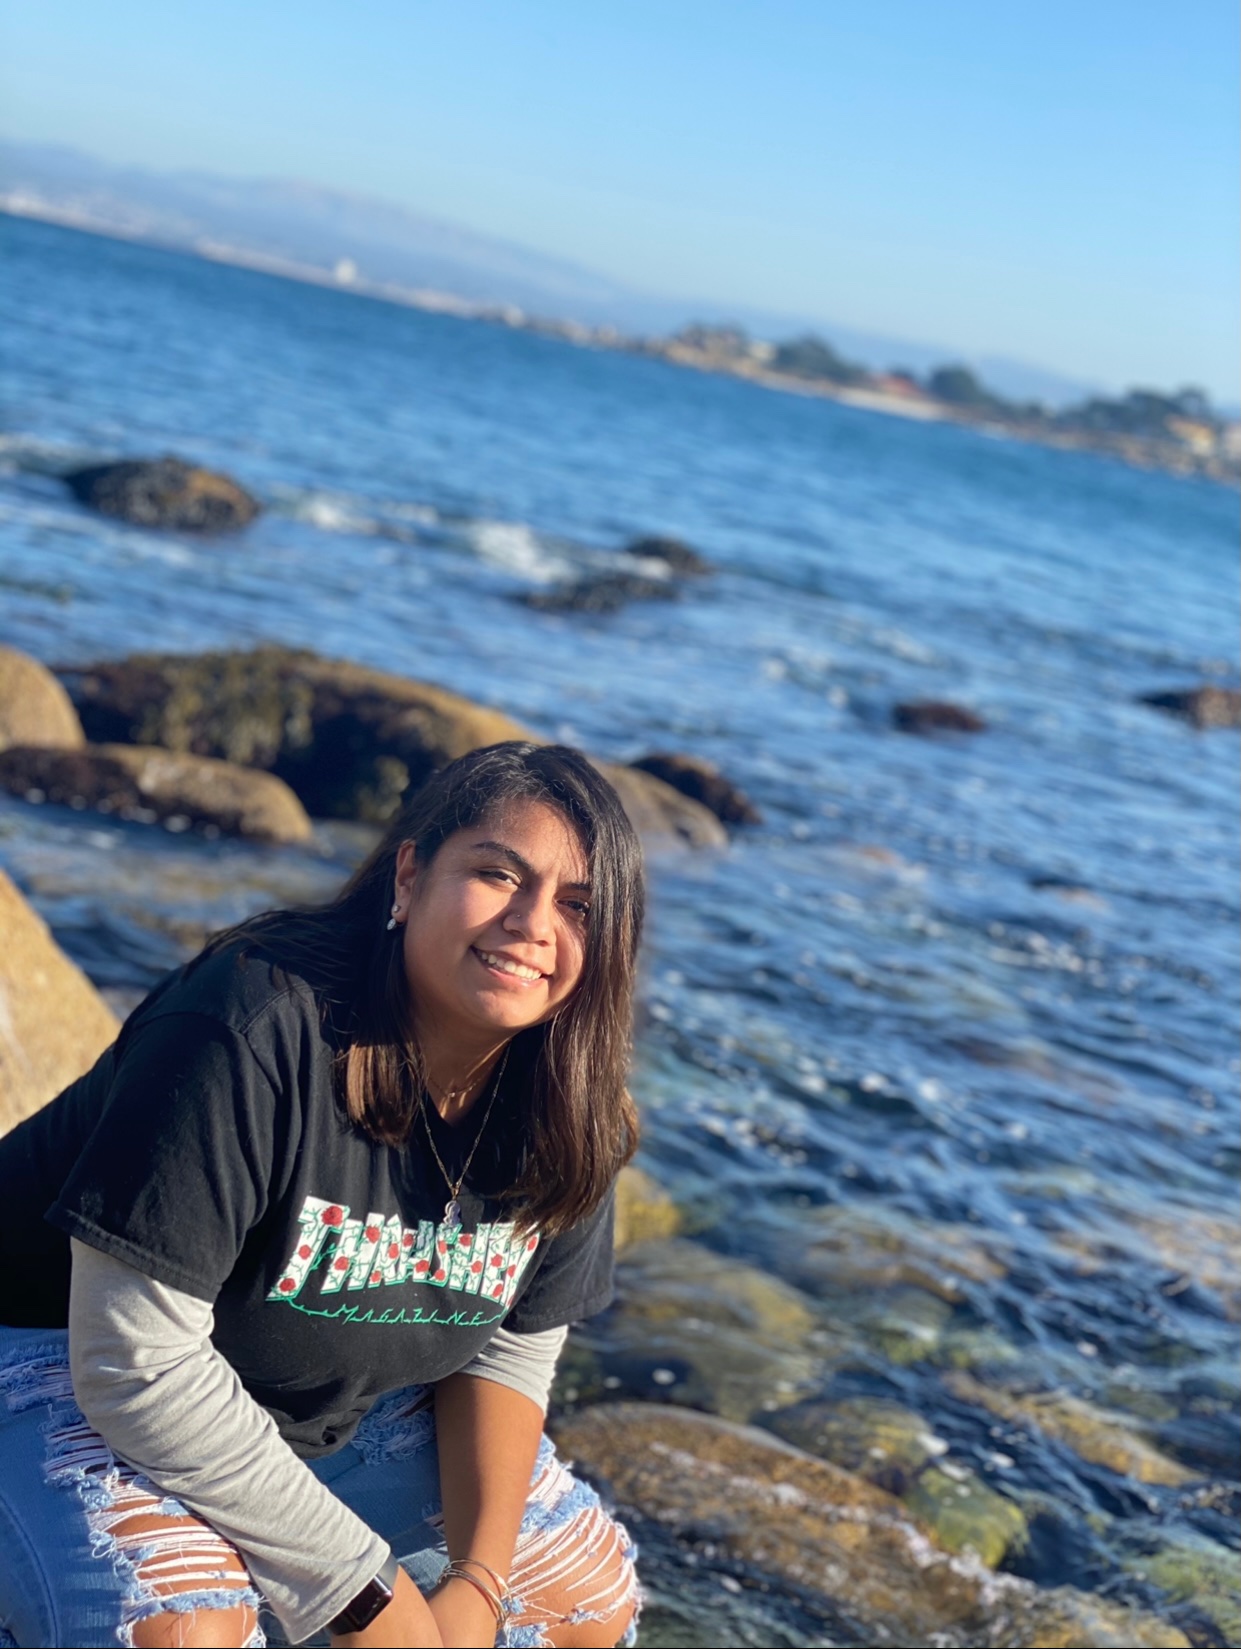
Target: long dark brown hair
(579, 1123)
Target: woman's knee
(577, 1584)
(197, 1629)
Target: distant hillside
(307, 224)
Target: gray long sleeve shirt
(149, 1380)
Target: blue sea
(964, 996)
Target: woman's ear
(406, 874)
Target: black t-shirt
(207, 1149)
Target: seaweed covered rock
(348, 740)
(146, 783)
(695, 1327)
(34, 707)
(1203, 707)
(928, 716)
(678, 556)
(804, 1522)
(703, 782)
(53, 1022)
(1102, 1436)
(164, 492)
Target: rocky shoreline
(750, 1426)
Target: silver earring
(393, 917)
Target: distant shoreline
(886, 395)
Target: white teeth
(505, 966)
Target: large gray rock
(53, 1022)
(147, 783)
(164, 492)
(34, 707)
(1204, 707)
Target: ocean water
(978, 995)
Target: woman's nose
(531, 917)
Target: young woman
(287, 1272)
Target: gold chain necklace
(452, 1208)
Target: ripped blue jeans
(78, 1564)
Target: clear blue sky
(1049, 179)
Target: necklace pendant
(452, 1218)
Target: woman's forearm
(488, 1437)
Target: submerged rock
(644, 1210)
(1196, 1571)
(1202, 706)
(147, 783)
(882, 1441)
(804, 1522)
(164, 492)
(935, 716)
(53, 1022)
(702, 780)
(1103, 1437)
(692, 1326)
(34, 707)
(604, 593)
(964, 1514)
(678, 556)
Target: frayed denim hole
(542, 1518)
(34, 1374)
(388, 1431)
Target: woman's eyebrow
(524, 865)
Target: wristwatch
(374, 1596)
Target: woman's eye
(578, 907)
(496, 873)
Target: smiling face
(495, 925)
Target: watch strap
(358, 1614)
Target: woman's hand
(464, 1617)
(405, 1623)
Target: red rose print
(512, 1270)
(464, 1240)
(341, 1264)
(393, 1250)
(287, 1285)
(407, 1241)
(497, 1259)
(440, 1275)
(497, 1291)
(303, 1252)
(372, 1233)
(531, 1245)
(476, 1267)
(421, 1268)
(376, 1277)
(333, 1215)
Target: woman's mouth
(520, 972)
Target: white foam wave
(339, 512)
(516, 548)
